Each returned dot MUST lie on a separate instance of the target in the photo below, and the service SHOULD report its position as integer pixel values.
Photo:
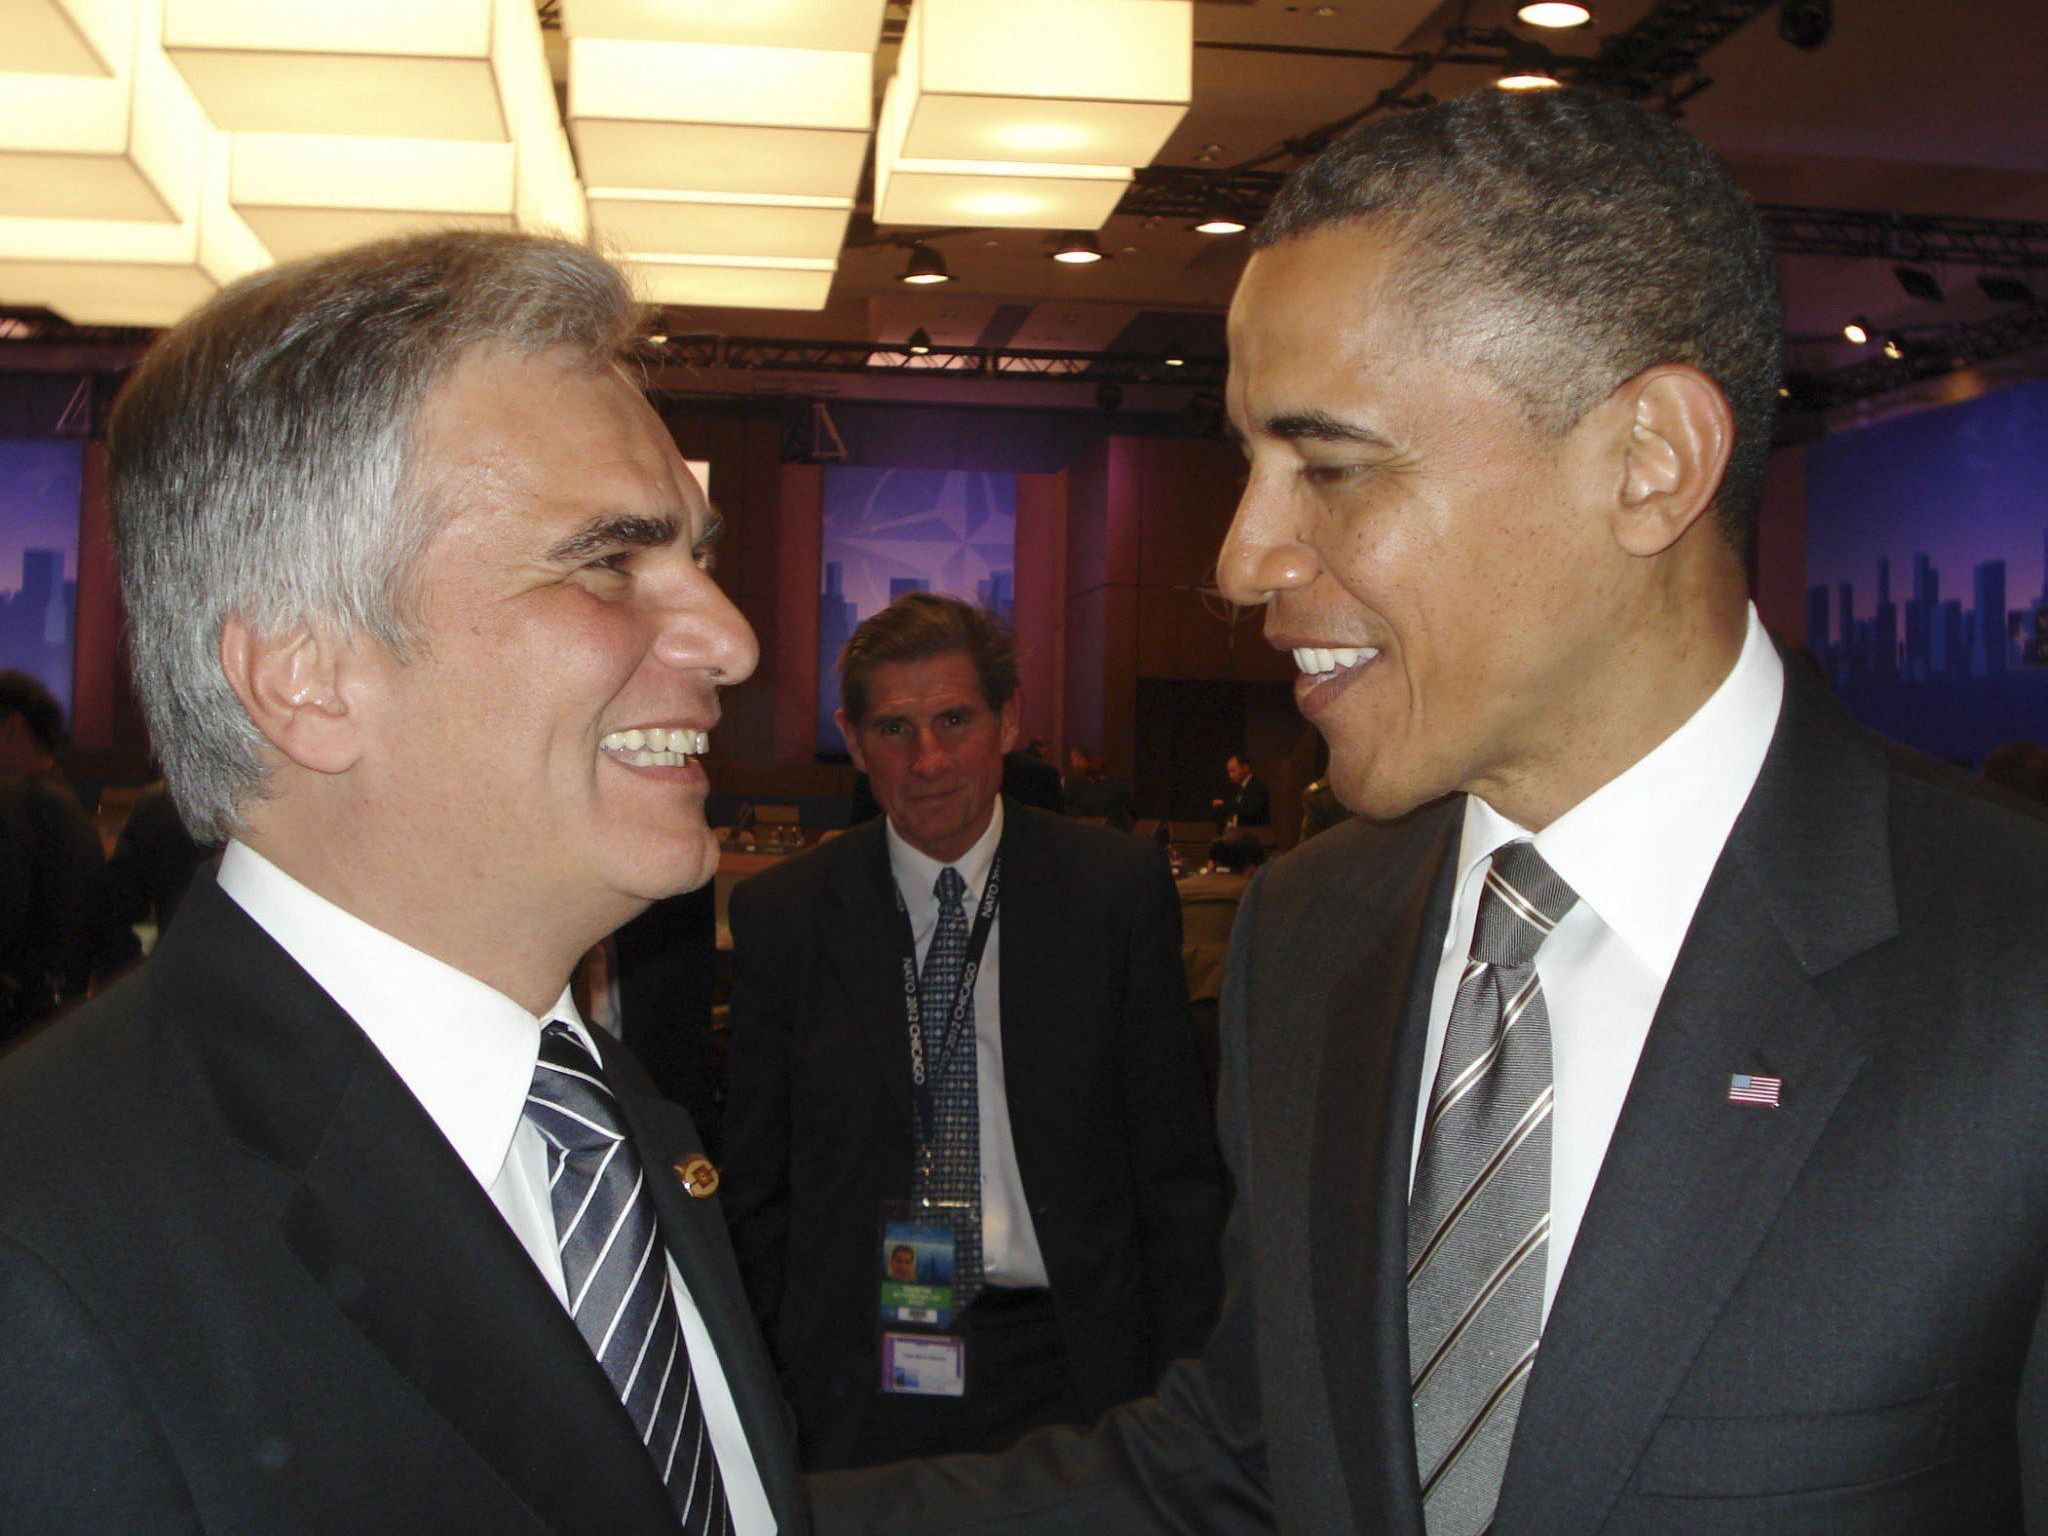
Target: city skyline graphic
(891, 531)
(1927, 572)
(39, 506)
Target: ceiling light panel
(306, 194)
(713, 224)
(691, 117)
(987, 194)
(1071, 82)
(66, 37)
(386, 68)
(732, 283)
(123, 145)
(839, 25)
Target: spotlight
(1109, 395)
(1894, 347)
(920, 342)
(1919, 283)
(1526, 77)
(2004, 290)
(926, 265)
(1077, 248)
(1857, 331)
(1806, 23)
(1176, 362)
(1553, 13)
(1219, 221)
(657, 339)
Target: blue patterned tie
(953, 1171)
(616, 1273)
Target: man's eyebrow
(618, 530)
(1320, 427)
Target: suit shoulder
(1969, 843)
(1357, 849)
(76, 1088)
(1104, 849)
(796, 880)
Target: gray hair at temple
(260, 465)
(1564, 241)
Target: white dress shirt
(467, 1053)
(1009, 1243)
(1638, 851)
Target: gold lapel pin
(698, 1176)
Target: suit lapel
(693, 1230)
(862, 941)
(1692, 1182)
(1037, 1018)
(392, 1227)
(1375, 1013)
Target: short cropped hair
(23, 694)
(261, 464)
(917, 627)
(1564, 241)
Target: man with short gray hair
(338, 1217)
(1637, 1126)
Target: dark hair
(917, 627)
(1237, 854)
(2020, 766)
(1565, 241)
(24, 695)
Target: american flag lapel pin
(1753, 1088)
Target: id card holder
(915, 1255)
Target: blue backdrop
(39, 488)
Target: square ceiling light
(126, 272)
(699, 117)
(306, 194)
(386, 68)
(986, 194)
(547, 197)
(1068, 82)
(719, 223)
(853, 26)
(730, 283)
(119, 145)
(66, 37)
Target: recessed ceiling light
(1553, 13)
(1857, 331)
(1219, 221)
(920, 342)
(1078, 249)
(1176, 362)
(1894, 347)
(658, 339)
(926, 265)
(1527, 78)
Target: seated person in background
(1208, 908)
(337, 1217)
(2022, 767)
(153, 861)
(58, 931)
(1247, 803)
(1092, 794)
(978, 1004)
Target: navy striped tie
(1479, 1214)
(616, 1272)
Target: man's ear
(852, 734)
(1012, 717)
(1679, 433)
(297, 689)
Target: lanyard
(921, 1084)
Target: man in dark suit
(1061, 1127)
(1247, 803)
(1638, 1130)
(336, 1217)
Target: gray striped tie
(1479, 1215)
(616, 1273)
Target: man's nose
(702, 630)
(930, 757)
(1262, 553)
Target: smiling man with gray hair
(338, 1217)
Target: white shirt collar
(916, 873)
(1639, 849)
(465, 1050)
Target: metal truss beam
(1659, 57)
(1928, 355)
(758, 354)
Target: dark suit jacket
(1112, 1132)
(1825, 1318)
(245, 1284)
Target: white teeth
(1316, 660)
(658, 746)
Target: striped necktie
(1479, 1214)
(616, 1273)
